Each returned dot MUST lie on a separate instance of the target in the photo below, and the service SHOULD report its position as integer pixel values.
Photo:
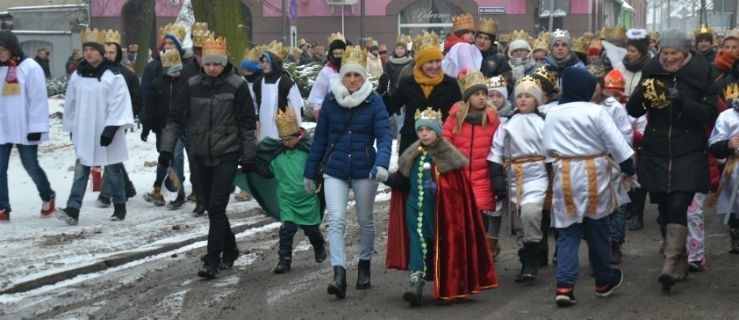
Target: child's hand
(310, 185)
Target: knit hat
(577, 85)
(560, 35)
(470, 81)
(676, 39)
(175, 40)
(518, 44)
(429, 118)
(250, 61)
(529, 85)
(639, 38)
(354, 60)
(499, 84)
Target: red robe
(462, 263)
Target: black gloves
(497, 180)
(145, 134)
(165, 159)
(396, 180)
(107, 137)
(258, 167)
(34, 136)
(627, 167)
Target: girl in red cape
(437, 234)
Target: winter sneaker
(415, 292)
(616, 255)
(734, 241)
(199, 211)
(242, 196)
(696, 266)
(155, 197)
(227, 262)
(69, 215)
(607, 288)
(119, 213)
(48, 206)
(4, 215)
(102, 202)
(283, 265)
(192, 197)
(176, 203)
(565, 295)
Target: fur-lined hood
(442, 152)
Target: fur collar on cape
(442, 152)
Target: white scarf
(351, 100)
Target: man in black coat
(42, 58)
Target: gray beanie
(676, 39)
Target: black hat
(639, 38)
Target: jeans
(215, 185)
(105, 188)
(599, 250)
(178, 163)
(337, 198)
(618, 224)
(81, 176)
(29, 159)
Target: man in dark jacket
(42, 58)
(494, 63)
(218, 113)
(113, 53)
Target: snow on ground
(35, 247)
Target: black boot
(363, 274)
(638, 196)
(283, 265)
(119, 212)
(734, 248)
(320, 253)
(616, 255)
(209, 269)
(529, 262)
(229, 257)
(543, 245)
(338, 286)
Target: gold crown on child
(546, 74)
(277, 48)
(112, 36)
(528, 79)
(426, 40)
(287, 122)
(336, 36)
(93, 36)
(214, 46)
(463, 21)
(470, 79)
(199, 36)
(175, 29)
(731, 91)
(170, 58)
(428, 114)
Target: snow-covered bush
(57, 86)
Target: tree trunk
(226, 19)
(148, 23)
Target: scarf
(331, 65)
(569, 60)
(672, 70)
(634, 66)
(451, 41)
(11, 80)
(520, 65)
(427, 84)
(401, 61)
(351, 100)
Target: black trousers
(287, 234)
(215, 184)
(673, 207)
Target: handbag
(319, 183)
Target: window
(428, 15)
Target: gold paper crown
(336, 36)
(371, 43)
(528, 79)
(545, 35)
(383, 47)
(112, 36)
(214, 47)
(287, 122)
(731, 91)
(471, 79)
(428, 114)
(93, 36)
(175, 29)
(497, 82)
(654, 36)
(541, 44)
(199, 26)
(616, 32)
(596, 43)
(654, 92)
(597, 69)
(487, 25)
(424, 41)
(170, 58)
(519, 35)
(251, 54)
(505, 38)
(733, 34)
(199, 36)
(579, 45)
(547, 74)
(463, 21)
(355, 55)
(402, 39)
(704, 29)
(277, 49)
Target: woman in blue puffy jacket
(352, 121)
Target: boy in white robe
(578, 137)
(96, 112)
(24, 120)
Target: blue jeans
(29, 159)
(81, 176)
(178, 163)
(337, 198)
(599, 250)
(618, 224)
(105, 188)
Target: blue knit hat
(250, 65)
(175, 40)
(429, 118)
(577, 85)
